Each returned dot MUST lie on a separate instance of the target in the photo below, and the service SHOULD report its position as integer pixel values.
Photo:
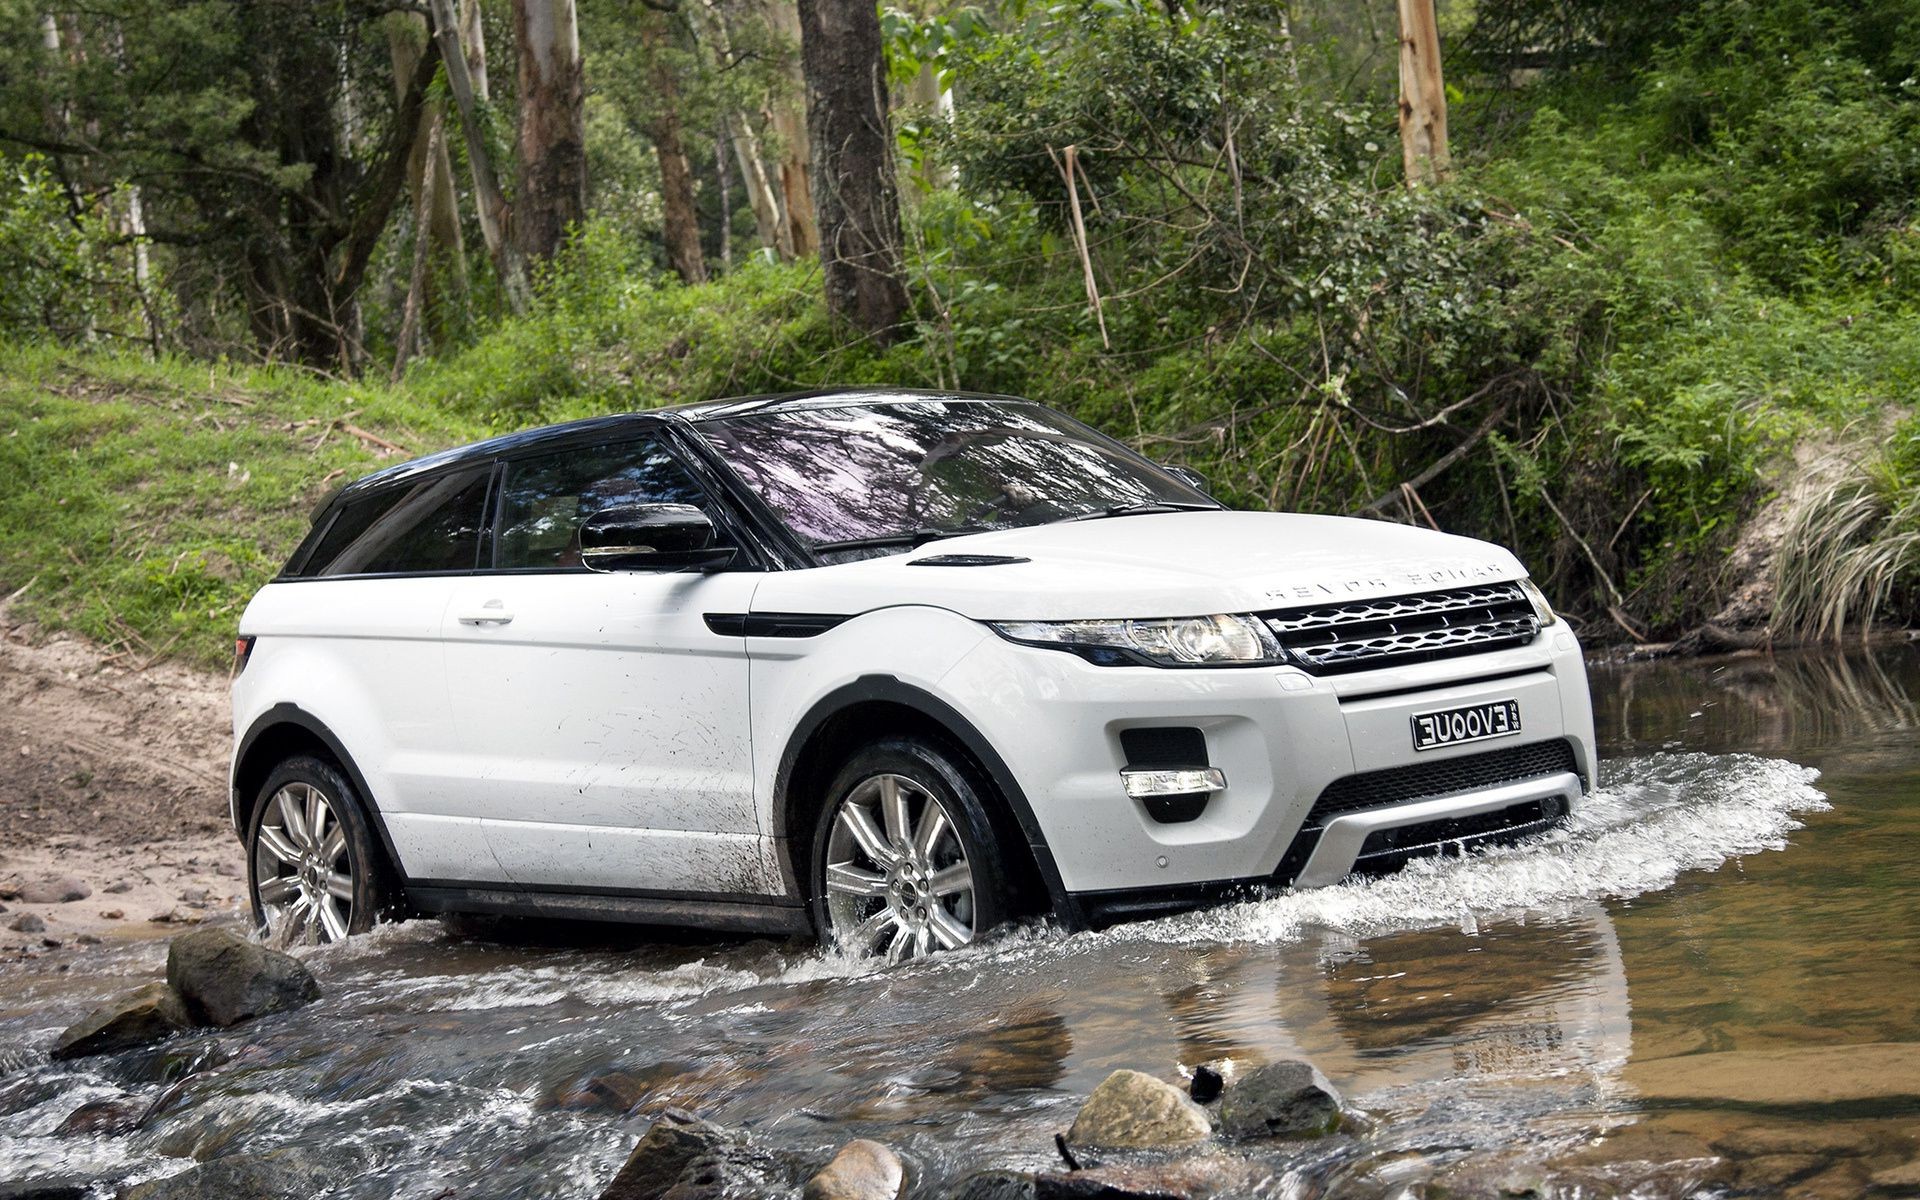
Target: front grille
(1441, 777)
(1362, 635)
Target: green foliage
(144, 503)
(49, 256)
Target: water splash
(1653, 819)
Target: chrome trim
(1343, 838)
(1146, 783)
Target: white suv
(887, 666)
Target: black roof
(706, 410)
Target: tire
(304, 888)
(877, 890)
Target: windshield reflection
(858, 479)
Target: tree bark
(430, 175)
(489, 197)
(553, 137)
(771, 228)
(1423, 96)
(855, 192)
(787, 117)
(680, 223)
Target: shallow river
(1602, 1009)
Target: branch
(1434, 468)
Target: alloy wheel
(302, 867)
(897, 877)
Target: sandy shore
(112, 784)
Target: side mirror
(1190, 477)
(651, 537)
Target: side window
(545, 500)
(432, 526)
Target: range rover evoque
(888, 667)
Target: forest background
(1629, 287)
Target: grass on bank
(142, 503)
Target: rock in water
(289, 1174)
(64, 889)
(1283, 1099)
(1205, 1176)
(146, 1014)
(1135, 1111)
(678, 1145)
(226, 979)
(994, 1185)
(1206, 1084)
(863, 1170)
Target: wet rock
(62, 889)
(196, 896)
(27, 923)
(29, 1091)
(1903, 1180)
(994, 1185)
(169, 1062)
(289, 1174)
(145, 1015)
(1133, 1110)
(1787, 1078)
(863, 1170)
(48, 1187)
(112, 914)
(226, 979)
(1283, 1099)
(681, 1157)
(1206, 1085)
(1202, 1177)
(87, 939)
(103, 1118)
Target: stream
(1595, 1010)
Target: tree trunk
(1423, 96)
(934, 102)
(489, 197)
(680, 223)
(787, 117)
(553, 138)
(430, 175)
(771, 228)
(856, 196)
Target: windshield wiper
(1142, 508)
(908, 538)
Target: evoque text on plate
(888, 667)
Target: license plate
(1473, 723)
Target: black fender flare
(292, 714)
(888, 689)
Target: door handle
(490, 613)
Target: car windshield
(858, 480)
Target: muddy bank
(112, 790)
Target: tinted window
(863, 471)
(432, 526)
(545, 499)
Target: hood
(1156, 565)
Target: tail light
(242, 651)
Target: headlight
(1538, 599)
(1171, 642)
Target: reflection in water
(1491, 1014)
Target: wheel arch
(280, 733)
(877, 706)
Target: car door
(374, 595)
(603, 723)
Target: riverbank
(112, 785)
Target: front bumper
(1281, 738)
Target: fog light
(1147, 783)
